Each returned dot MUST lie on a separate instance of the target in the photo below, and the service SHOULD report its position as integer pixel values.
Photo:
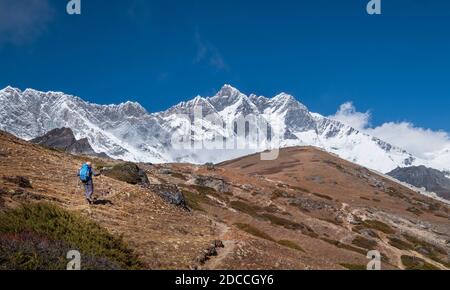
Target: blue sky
(159, 53)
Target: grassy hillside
(38, 237)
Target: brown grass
(291, 244)
(323, 196)
(254, 231)
(251, 210)
(377, 225)
(400, 244)
(344, 246)
(365, 243)
(415, 263)
(278, 221)
(354, 267)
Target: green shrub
(254, 231)
(204, 189)
(282, 222)
(277, 193)
(299, 189)
(419, 243)
(251, 210)
(178, 175)
(344, 246)
(323, 196)
(433, 252)
(415, 263)
(393, 192)
(46, 222)
(354, 267)
(194, 200)
(415, 210)
(20, 181)
(377, 225)
(400, 244)
(271, 208)
(291, 244)
(334, 221)
(363, 230)
(365, 243)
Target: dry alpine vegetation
(306, 210)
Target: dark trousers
(89, 189)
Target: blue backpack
(85, 173)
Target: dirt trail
(214, 263)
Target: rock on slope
(64, 139)
(422, 177)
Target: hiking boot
(89, 200)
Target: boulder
(64, 139)
(211, 251)
(217, 184)
(210, 166)
(127, 172)
(20, 181)
(165, 171)
(171, 194)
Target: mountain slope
(123, 131)
(422, 177)
(163, 236)
(306, 210)
(127, 131)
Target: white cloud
(415, 140)
(348, 115)
(418, 141)
(22, 21)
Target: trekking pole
(79, 184)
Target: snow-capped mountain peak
(228, 96)
(133, 109)
(228, 91)
(10, 89)
(283, 97)
(127, 131)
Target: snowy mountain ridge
(127, 131)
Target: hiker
(86, 173)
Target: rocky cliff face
(422, 177)
(64, 139)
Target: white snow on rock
(127, 131)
